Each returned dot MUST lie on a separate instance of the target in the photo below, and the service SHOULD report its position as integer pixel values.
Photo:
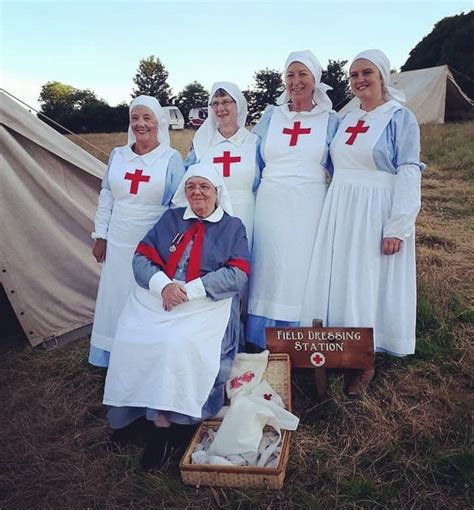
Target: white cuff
(195, 289)
(158, 282)
(96, 236)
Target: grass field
(406, 444)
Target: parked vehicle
(197, 116)
(175, 117)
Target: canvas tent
(432, 95)
(48, 195)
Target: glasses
(225, 104)
(205, 188)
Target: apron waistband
(372, 178)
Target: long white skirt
(351, 283)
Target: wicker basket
(278, 375)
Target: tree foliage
(450, 42)
(80, 110)
(336, 76)
(267, 86)
(150, 80)
(194, 95)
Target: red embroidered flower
(267, 396)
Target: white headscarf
(207, 171)
(152, 103)
(202, 138)
(308, 58)
(381, 61)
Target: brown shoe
(356, 381)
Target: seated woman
(178, 333)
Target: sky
(98, 45)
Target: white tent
(432, 95)
(48, 195)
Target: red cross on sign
(356, 130)
(318, 359)
(226, 159)
(295, 132)
(136, 178)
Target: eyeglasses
(205, 188)
(225, 104)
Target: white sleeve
(103, 214)
(158, 282)
(195, 288)
(406, 203)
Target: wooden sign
(324, 347)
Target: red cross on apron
(226, 159)
(356, 130)
(136, 178)
(295, 132)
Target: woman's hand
(173, 294)
(99, 249)
(391, 245)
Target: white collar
(213, 218)
(149, 158)
(289, 114)
(238, 138)
(358, 113)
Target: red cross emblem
(317, 359)
(226, 159)
(356, 130)
(136, 178)
(295, 132)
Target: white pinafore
(236, 162)
(351, 283)
(166, 360)
(137, 184)
(289, 201)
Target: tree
(194, 95)
(79, 110)
(266, 89)
(57, 101)
(338, 79)
(450, 42)
(63, 103)
(151, 80)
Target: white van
(197, 116)
(175, 117)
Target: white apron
(166, 360)
(353, 284)
(237, 165)
(287, 210)
(137, 207)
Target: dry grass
(101, 145)
(407, 444)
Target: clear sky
(98, 44)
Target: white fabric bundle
(247, 373)
(241, 430)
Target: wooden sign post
(322, 348)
